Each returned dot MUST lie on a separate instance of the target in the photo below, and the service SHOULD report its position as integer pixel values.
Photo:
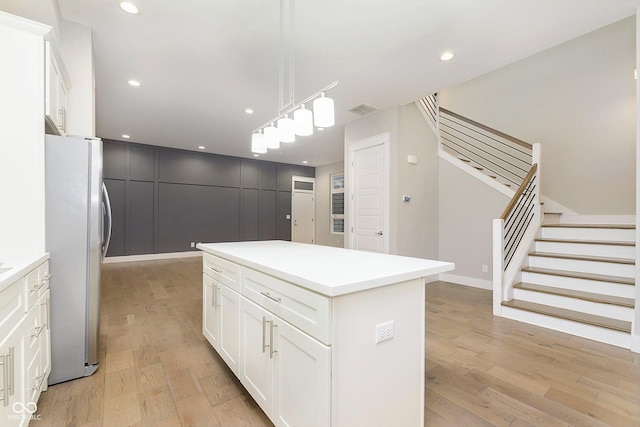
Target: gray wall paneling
(166, 198)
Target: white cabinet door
(229, 337)
(256, 360)
(302, 379)
(210, 317)
(14, 406)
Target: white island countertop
(326, 270)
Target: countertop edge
(20, 267)
(328, 290)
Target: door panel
(369, 174)
(303, 379)
(256, 369)
(229, 343)
(303, 210)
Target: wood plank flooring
(156, 368)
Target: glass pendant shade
(271, 137)
(258, 144)
(323, 114)
(286, 129)
(303, 120)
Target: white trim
(151, 257)
(24, 24)
(467, 281)
(492, 182)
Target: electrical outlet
(193, 244)
(384, 331)
(485, 268)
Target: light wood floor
(156, 369)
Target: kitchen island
(318, 335)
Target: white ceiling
(203, 62)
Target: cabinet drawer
(304, 309)
(12, 303)
(222, 270)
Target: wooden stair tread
(579, 275)
(590, 319)
(586, 296)
(583, 258)
(576, 225)
(588, 242)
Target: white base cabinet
(302, 339)
(25, 348)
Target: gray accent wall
(163, 199)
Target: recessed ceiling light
(134, 83)
(201, 147)
(248, 111)
(320, 128)
(125, 136)
(446, 56)
(129, 7)
(256, 155)
(304, 162)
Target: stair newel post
(498, 266)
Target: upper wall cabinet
(57, 84)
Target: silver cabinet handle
(271, 346)
(12, 372)
(217, 289)
(35, 287)
(38, 330)
(5, 379)
(264, 336)
(213, 296)
(266, 294)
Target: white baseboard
(467, 281)
(635, 343)
(151, 257)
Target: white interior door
(303, 210)
(369, 205)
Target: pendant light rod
(289, 109)
(286, 69)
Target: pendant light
(323, 114)
(286, 129)
(271, 137)
(258, 144)
(303, 120)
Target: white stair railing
(504, 159)
(513, 234)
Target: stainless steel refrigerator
(78, 227)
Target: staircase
(579, 279)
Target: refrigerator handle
(106, 206)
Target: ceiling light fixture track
(269, 136)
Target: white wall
(413, 225)
(467, 208)
(77, 51)
(323, 206)
(578, 100)
(417, 229)
(21, 138)
(42, 11)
